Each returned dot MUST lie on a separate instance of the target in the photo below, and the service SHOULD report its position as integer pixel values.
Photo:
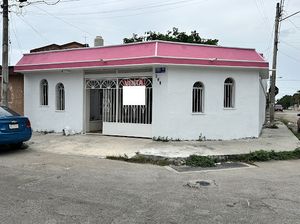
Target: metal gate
(113, 108)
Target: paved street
(288, 115)
(41, 187)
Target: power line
(290, 45)
(270, 43)
(289, 80)
(35, 30)
(149, 6)
(64, 21)
(291, 57)
(46, 2)
(89, 5)
(129, 15)
(290, 16)
(15, 35)
(298, 28)
(261, 11)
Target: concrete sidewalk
(281, 139)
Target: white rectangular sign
(134, 95)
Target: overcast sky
(241, 23)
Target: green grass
(201, 161)
(262, 155)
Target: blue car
(14, 128)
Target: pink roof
(146, 53)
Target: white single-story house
(149, 89)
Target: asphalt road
(40, 187)
(289, 115)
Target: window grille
(44, 92)
(229, 93)
(113, 107)
(60, 97)
(198, 98)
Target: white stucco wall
(127, 129)
(46, 118)
(262, 102)
(172, 104)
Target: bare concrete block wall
(16, 93)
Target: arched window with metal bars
(60, 97)
(44, 92)
(229, 92)
(198, 98)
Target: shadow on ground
(9, 149)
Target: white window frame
(198, 98)
(60, 97)
(229, 93)
(44, 96)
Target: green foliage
(162, 139)
(296, 98)
(259, 156)
(210, 161)
(201, 138)
(273, 126)
(262, 155)
(290, 100)
(286, 101)
(174, 35)
(165, 139)
(256, 156)
(201, 161)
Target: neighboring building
(16, 90)
(54, 47)
(150, 89)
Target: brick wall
(16, 93)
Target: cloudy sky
(241, 23)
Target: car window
(6, 112)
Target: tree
(286, 101)
(296, 98)
(173, 35)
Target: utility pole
(5, 46)
(278, 20)
(5, 69)
(274, 63)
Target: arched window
(229, 93)
(60, 97)
(44, 92)
(198, 98)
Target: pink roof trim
(157, 52)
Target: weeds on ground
(165, 139)
(211, 161)
(45, 132)
(262, 155)
(141, 159)
(273, 126)
(201, 161)
(161, 139)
